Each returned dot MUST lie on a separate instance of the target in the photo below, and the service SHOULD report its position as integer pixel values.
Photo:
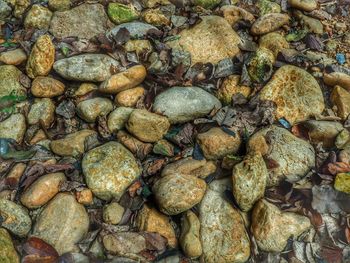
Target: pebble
(134, 145)
(163, 147)
(117, 118)
(62, 223)
(343, 139)
(273, 41)
(42, 109)
(90, 109)
(337, 78)
(191, 103)
(139, 46)
(314, 25)
(260, 66)
(176, 193)
(249, 180)
(268, 7)
(290, 156)
(147, 126)
(109, 170)
(41, 57)
(72, 144)
(216, 143)
(86, 67)
(13, 57)
(15, 218)
(130, 97)
(341, 99)
(59, 5)
(233, 14)
(222, 231)
(47, 87)
(113, 213)
(125, 80)
(304, 5)
(120, 13)
(189, 166)
(150, 220)
(5, 10)
(296, 94)
(268, 23)
(42, 190)
(69, 23)
(342, 182)
(137, 30)
(322, 132)
(14, 127)
(230, 87)
(10, 81)
(85, 88)
(215, 34)
(38, 17)
(20, 7)
(84, 197)
(125, 244)
(153, 3)
(190, 235)
(155, 17)
(208, 4)
(8, 253)
(272, 228)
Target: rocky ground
(210, 131)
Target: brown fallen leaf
(338, 167)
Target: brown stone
(41, 57)
(337, 78)
(273, 41)
(84, 197)
(190, 238)
(13, 57)
(42, 109)
(46, 87)
(233, 14)
(230, 87)
(341, 99)
(130, 97)
(133, 144)
(268, 23)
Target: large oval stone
(190, 103)
(86, 67)
(287, 156)
(295, 92)
(223, 235)
(109, 170)
(62, 223)
(10, 81)
(8, 253)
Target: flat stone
(233, 14)
(124, 243)
(125, 80)
(117, 118)
(190, 235)
(14, 127)
(147, 126)
(130, 97)
(15, 218)
(72, 144)
(341, 99)
(38, 17)
(189, 166)
(216, 143)
(113, 213)
(150, 220)
(268, 23)
(69, 23)
(137, 30)
(47, 87)
(287, 155)
(191, 103)
(211, 40)
(13, 57)
(120, 13)
(324, 132)
(90, 109)
(304, 5)
(62, 223)
(337, 78)
(41, 57)
(223, 235)
(42, 109)
(86, 67)
(176, 193)
(272, 228)
(42, 190)
(109, 170)
(296, 93)
(10, 81)
(8, 253)
(249, 180)
(342, 182)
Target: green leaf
(146, 192)
(8, 44)
(18, 155)
(234, 157)
(9, 100)
(296, 35)
(65, 51)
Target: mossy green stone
(8, 253)
(120, 13)
(342, 182)
(268, 7)
(261, 65)
(208, 4)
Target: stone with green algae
(342, 182)
(208, 4)
(120, 13)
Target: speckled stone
(13, 127)
(190, 235)
(10, 81)
(109, 169)
(47, 87)
(42, 109)
(13, 57)
(268, 23)
(118, 118)
(8, 253)
(90, 109)
(38, 17)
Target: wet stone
(90, 109)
